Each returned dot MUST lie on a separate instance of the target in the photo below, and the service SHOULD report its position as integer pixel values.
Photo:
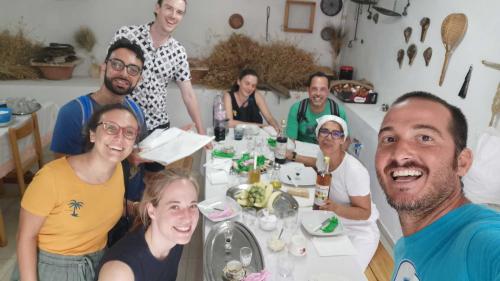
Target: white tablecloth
(338, 267)
(46, 120)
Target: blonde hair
(155, 185)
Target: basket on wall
(59, 71)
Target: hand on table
(329, 205)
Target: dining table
(309, 267)
(46, 115)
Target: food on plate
(233, 271)
(271, 199)
(332, 224)
(244, 164)
(256, 196)
(299, 192)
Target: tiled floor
(191, 264)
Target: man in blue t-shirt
(421, 156)
(124, 62)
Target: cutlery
(323, 224)
(292, 180)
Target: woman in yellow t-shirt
(74, 201)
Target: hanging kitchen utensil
(427, 56)
(358, 12)
(387, 12)
(452, 31)
(369, 12)
(327, 33)
(465, 85)
(236, 21)
(405, 10)
(411, 52)
(495, 106)
(407, 34)
(375, 18)
(401, 56)
(331, 7)
(365, 2)
(424, 23)
(491, 64)
(268, 14)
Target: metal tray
(283, 202)
(215, 257)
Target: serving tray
(215, 257)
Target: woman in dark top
(244, 105)
(168, 217)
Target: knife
(323, 224)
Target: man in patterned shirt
(166, 60)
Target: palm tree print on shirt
(75, 205)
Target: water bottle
(219, 118)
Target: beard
(441, 186)
(108, 82)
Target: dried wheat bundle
(85, 38)
(15, 53)
(278, 62)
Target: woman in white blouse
(349, 195)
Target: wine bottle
(281, 140)
(323, 181)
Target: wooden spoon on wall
(452, 31)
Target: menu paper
(170, 145)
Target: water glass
(284, 265)
(238, 133)
(228, 237)
(291, 221)
(245, 256)
(249, 216)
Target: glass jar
(275, 177)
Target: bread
(300, 192)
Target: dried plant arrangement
(16, 50)
(337, 40)
(277, 62)
(85, 38)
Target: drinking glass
(284, 265)
(228, 237)
(245, 256)
(290, 221)
(249, 216)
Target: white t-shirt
(350, 178)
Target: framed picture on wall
(299, 16)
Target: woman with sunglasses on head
(168, 215)
(349, 195)
(74, 201)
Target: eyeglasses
(119, 65)
(335, 133)
(111, 128)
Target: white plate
(312, 219)
(207, 208)
(288, 174)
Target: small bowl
(267, 220)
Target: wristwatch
(294, 155)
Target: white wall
(375, 60)
(205, 23)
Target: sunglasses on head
(336, 134)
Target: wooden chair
(30, 127)
(185, 163)
(381, 265)
(3, 235)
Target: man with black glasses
(122, 73)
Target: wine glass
(228, 237)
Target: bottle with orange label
(323, 181)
